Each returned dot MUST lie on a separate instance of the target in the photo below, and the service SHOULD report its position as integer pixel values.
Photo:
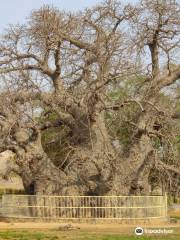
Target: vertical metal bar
(165, 204)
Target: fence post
(165, 205)
(2, 200)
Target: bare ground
(93, 227)
(105, 228)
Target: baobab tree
(64, 66)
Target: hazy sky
(15, 11)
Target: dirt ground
(105, 228)
(101, 227)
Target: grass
(174, 214)
(25, 235)
(176, 217)
(76, 235)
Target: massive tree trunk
(99, 169)
(44, 177)
(95, 168)
(39, 174)
(133, 169)
(91, 165)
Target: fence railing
(84, 207)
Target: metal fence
(84, 207)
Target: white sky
(16, 11)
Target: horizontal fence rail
(84, 207)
